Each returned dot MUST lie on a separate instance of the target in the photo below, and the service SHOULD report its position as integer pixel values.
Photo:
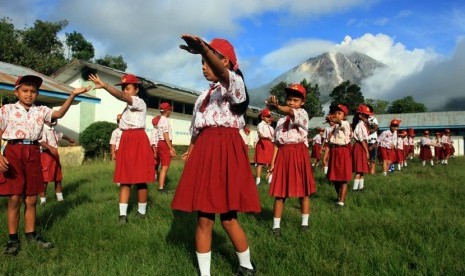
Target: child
(438, 153)
(387, 142)
(165, 149)
(115, 138)
(217, 176)
(425, 149)
(317, 141)
(264, 147)
(400, 150)
(291, 169)
(134, 158)
(361, 153)
(406, 146)
(411, 142)
(50, 159)
(446, 144)
(372, 140)
(326, 134)
(245, 134)
(21, 126)
(340, 162)
(153, 138)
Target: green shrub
(95, 139)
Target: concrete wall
(71, 156)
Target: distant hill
(327, 70)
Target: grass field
(409, 223)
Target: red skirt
(24, 174)
(264, 152)
(134, 159)
(411, 149)
(340, 164)
(387, 154)
(316, 151)
(399, 155)
(51, 167)
(217, 177)
(447, 149)
(292, 174)
(425, 153)
(438, 153)
(360, 160)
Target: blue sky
(270, 36)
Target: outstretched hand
(97, 81)
(272, 102)
(80, 90)
(195, 45)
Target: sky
(421, 42)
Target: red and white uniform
(406, 147)
(164, 126)
(400, 150)
(264, 147)
(411, 144)
(425, 149)
(360, 158)
(134, 159)
(446, 144)
(116, 137)
(18, 123)
(387, 142)
(51, 167)
(340, 161)
(317, 141)
(438, 152)
(217, 177)
(292, 174)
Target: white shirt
(51, 136)
(297, 130)
(116, 137)
(133, 116)
(163, 127)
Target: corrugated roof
(426, 120)
(51, 92)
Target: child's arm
(3, 161)
(53, 151)
(185, 156)
(166, 136)
(57, 114)
(283, 109)
(113, 151)
(111, 89)
(275, 153)
(69, 139)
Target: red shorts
(24, 175)
(163, 154)
(51, 167)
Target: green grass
(409, 223)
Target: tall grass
(410, 222)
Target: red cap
(364, 110)
(265, 112)
(225, 48)
(438, 133)
(320, 129)
(395, 122)
(165, 106)
(297, 88)
(343, 108)
(127, 79)
(28, 79)
(246, 129)
(425, 131)
(155, 120)
(411, 132)
(447, 130)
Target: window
(178, 107)
(153, 102)
(189, 109)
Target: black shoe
(243, 271)
(123, 219)
(140, 215)
(304, 228)
(276, 231)
(162, 190)
(37, 238)
(12, 248)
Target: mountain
(327, 70)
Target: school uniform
(340, 161)
(425, 149)
(164, 126)
(446, 144)
(51, 167)
(387, 142)
(134, 158)
(360, 159)
(438, 152)
(116, 137)
(400, 150)
(292, 174)
(217, 177)
(411, 142)
(317, 141)
(406, 147)
(264, 147)
(372, 140)
(22, 129)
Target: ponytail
(241, 108)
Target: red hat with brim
(343, 108)
(265, 112)
(364, 110)
(447, 130)
(225, 48)
(395, 122)
(37, 81)
(128, 79)
(297, 88)
(165, 106)
(425, 131)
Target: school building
(182, 100)
(432, 121)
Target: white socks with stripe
(204, 260)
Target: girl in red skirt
(264, 148)
(400, 150)
(446, 146)
(425, 149)
(437, 142)
(317, 141)
(361, 153)
(340, 161)
(217, 177)
(291, 166)
(134, 158)
(326, 134)
(387, 141)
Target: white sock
(432, 162)
(325, 170)
(405, 163)
(269, 178)
(305, 219)
(204, 260)
(361, 183)
(59, 196)
(385, 173)
(423, 163)
(356, 182)
(276, 223)
(244, 259)
(445, 161)
(257, 180)
(399, 166)
(142, 208)
(123, 209)
(43, 200)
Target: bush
(95, 139)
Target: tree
(95, 139)
(406, 105)
(113, 62)
(348, 94)
(312, 103)
(10, 48)
(379, 106)
(80, 48)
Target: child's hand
(172, 152)
(81, 90)
(272, 101)
(195, 45)
(185, 156)
(97, 81)
(3, 163)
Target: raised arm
(57, 114)
(111, 89)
